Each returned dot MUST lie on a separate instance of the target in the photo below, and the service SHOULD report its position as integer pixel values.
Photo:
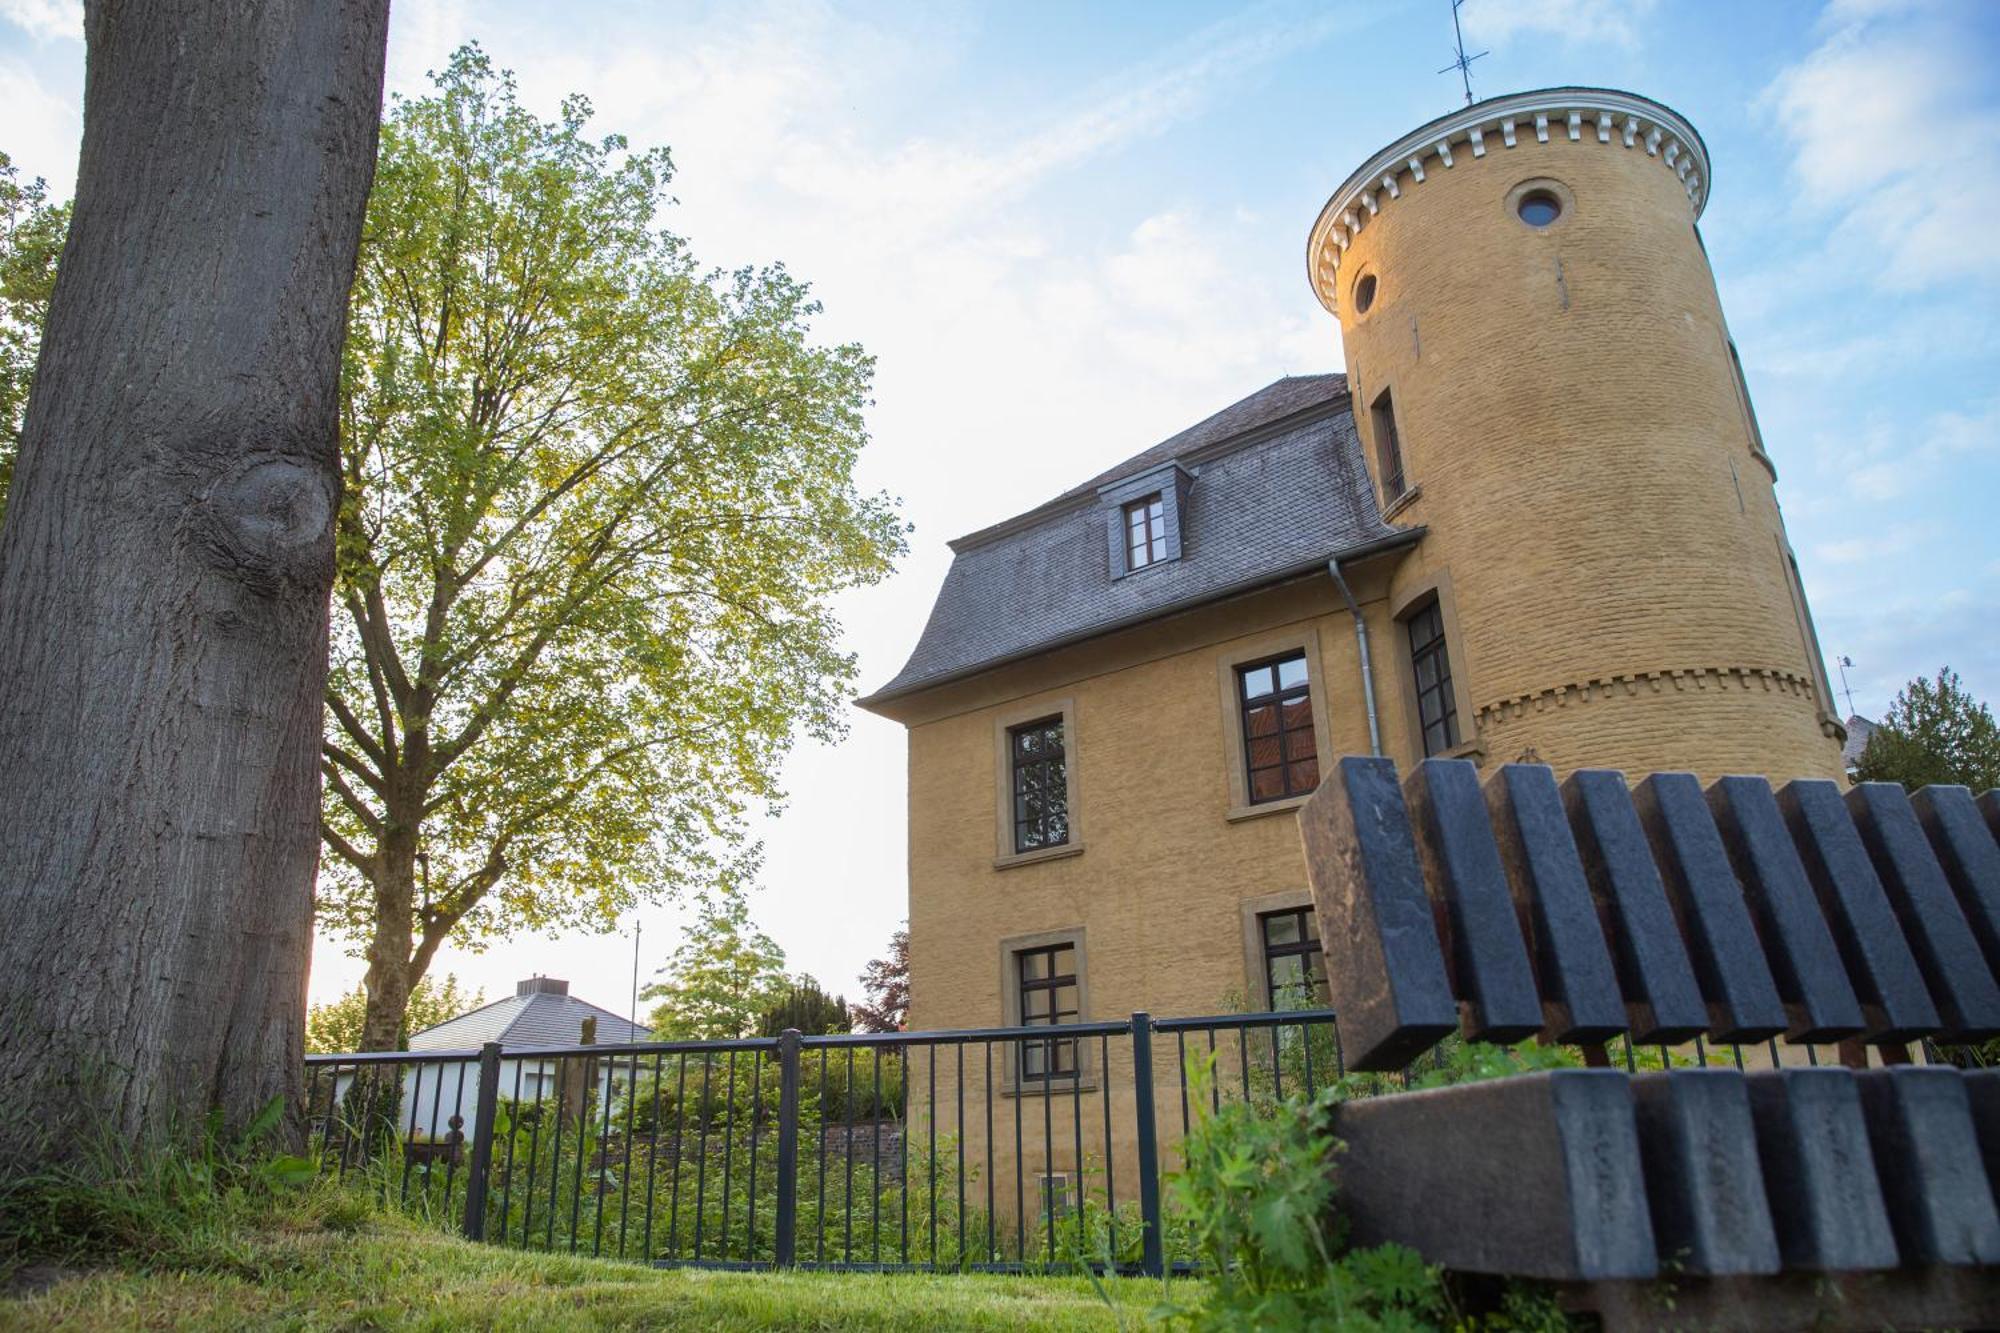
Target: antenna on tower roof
(1463, 64)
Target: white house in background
(539, 1014)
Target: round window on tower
(1364, 293)
(1541, 204)
(1538, 208)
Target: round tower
(1543, 380)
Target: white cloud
(44, 18)
(1020, 347)
(1889, 118)
(1572, 22)
(42, 128)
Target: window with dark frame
(1294, 961)
(1047, 978)
(1146, 531)
(1388, 448)
(1437, 707)
(1041, 785)
(1280, 758)
(1743, 394)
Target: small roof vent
(541, 986)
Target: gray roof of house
(1859, 729)
(540, 1019)
(1279, 488)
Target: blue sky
(1068, 231)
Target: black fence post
(788, 1147)
(488, 1109)
(1152, 1259)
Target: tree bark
(164, 570)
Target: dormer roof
(1275, 487)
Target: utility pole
(636, 928)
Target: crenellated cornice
(1602, 115)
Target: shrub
(1257, 1192)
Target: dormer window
(1145, 517)
(1145, 531)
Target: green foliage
(1257, 1189)
(597, 503)
(31, 239)
(1935, 732)
(114, 1200)
(1456, 1060)
(804, 1005)
(721, 980)
(335, 1026)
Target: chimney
(540, 985)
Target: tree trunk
(389, 981)
(164, 570)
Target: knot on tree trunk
(265, 523)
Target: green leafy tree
(1935, 732)
(805, 1005)
(597, 502)
(335, 1026)
(31, 240)
(721, 980)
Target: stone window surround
(1010, 1013)
(1743, 402)
(1004, 855)
(1390, 504)
(1436, 587)
(1253, 940)
(1302, 637)
(1565, 197)
(1809, 639)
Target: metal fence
(1000, 1149)
(955, 1150)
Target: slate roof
(1859, 729)
(541, 1019)
(1279, 488)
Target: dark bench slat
(1709, 906)
(1895, 1002)
(1662, 999)
(1970, 857)
(1819, 1172)
(1960, 981)
(1699, 1150)
(1927, 1154)
(1573, 968)
(1389, 986)
(1820, 1001)
(1493, 979)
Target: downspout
(1367, 664)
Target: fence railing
(997, 1149)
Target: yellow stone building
(1534, 520)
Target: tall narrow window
(1145, 531)
(1743, 396)
(1437, 708)
(1047, 978)
(1294, 962)
(1388, 448)
(1041, 785)
(1279, 756)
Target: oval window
(1538, 208)
(1364, 294)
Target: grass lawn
(384, 1274)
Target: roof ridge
(1161, 453)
